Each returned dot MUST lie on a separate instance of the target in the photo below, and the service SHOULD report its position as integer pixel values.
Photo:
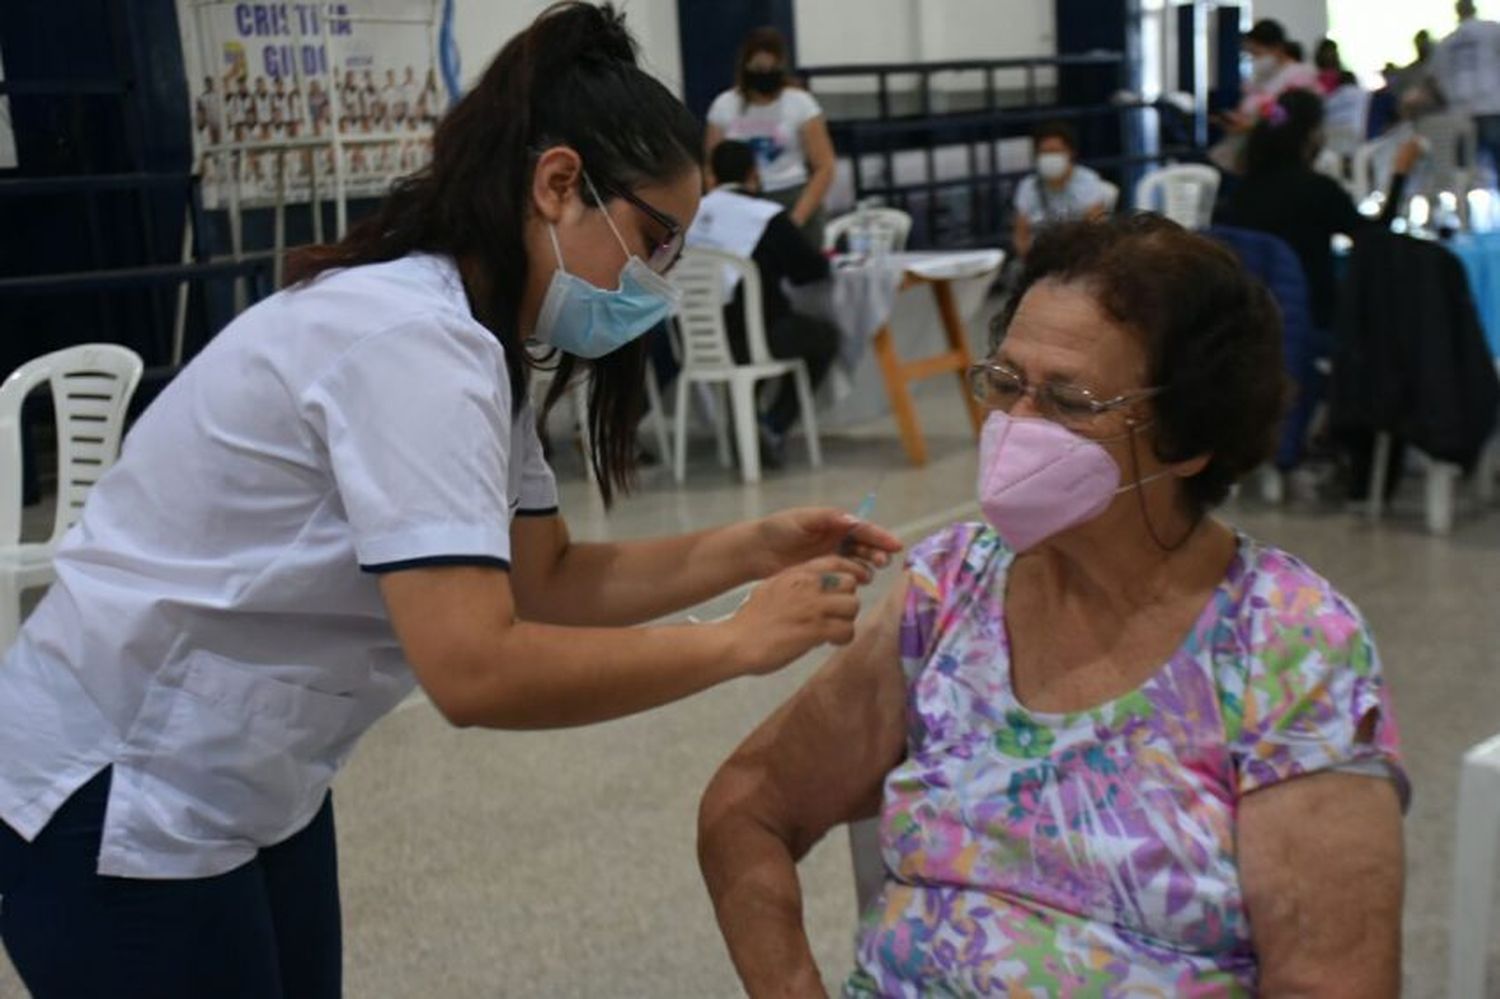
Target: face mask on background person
(1038, 479)
(1263, 67)
(766, 82)
(588, 321)
(1053, 166)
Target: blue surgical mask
(588, 321)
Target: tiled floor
(562, 864)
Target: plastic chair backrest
(700, 277)
(1111, 196)
(890, 226)
(1185, 193)
(1363, 180)
(1451, 136)
(91, 388)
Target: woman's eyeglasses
(666, 251)
(1000, 386)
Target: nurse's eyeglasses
(1000, 386)
(665, 253)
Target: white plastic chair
(707, 358)
(890, 227)
(578, 401)
(1440, 481)
(1450, 159)
(1185, 193)
(1364, 162)
(1474, 869)
(1111, 196)
(91, 388)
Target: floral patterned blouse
(1093, 853)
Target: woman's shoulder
(1084, 172)
(955, 556)
(354, 311)
(1026, 190)
(800, 101)
(1283, 605)
(727, 105)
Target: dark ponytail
(569, 79)
(1283, 136)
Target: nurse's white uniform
(216, 632)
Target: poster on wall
(291, 98)
(8, 159)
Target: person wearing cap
(1273, 71)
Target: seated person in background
(734, 218)
(1283, 195)
(1274, 70)
(1117, 747)
(1345, 104)
(1061, 190)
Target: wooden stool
(899, 373)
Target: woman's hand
(1235, 122)
(793, 536)
(797, 610)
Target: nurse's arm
(481, 665)
(1322, 869)
(614, 584)
(816, 763)
(617, 583)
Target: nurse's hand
(793, 536)
(797, 610)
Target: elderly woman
(1117, 748)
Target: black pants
(1487, 138)
(269, 929)
(814, 340)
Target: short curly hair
(1211, 330)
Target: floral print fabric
(1093, 853)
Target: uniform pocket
(251, 752)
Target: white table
(865, 300)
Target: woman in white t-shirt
(344, 497)
(783, 124)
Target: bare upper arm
(1021, 237)
(821, 758)
(448, 619)
(1322, 868)
(536, 546)
(817, 144)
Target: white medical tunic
(216, 631)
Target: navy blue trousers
(269, 929)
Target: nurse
(344, 496)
